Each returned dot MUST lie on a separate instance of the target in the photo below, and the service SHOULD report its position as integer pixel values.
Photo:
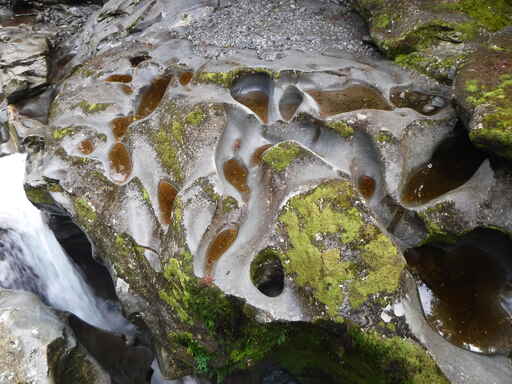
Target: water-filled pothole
(152, 95)
(290, 102)
(86, 147)
(166, 196)
(185, 78)
(466, 289)
(267, 273)
(254, 91)
(219, 246)
(119, 78)
(120, 126)
(366, 186)
(236, 174)
(453, 163)
(349, 99)
(120, 163)
(421, 102)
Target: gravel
(270, 26)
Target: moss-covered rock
(484, 94)
(336, 250)
(433, 37)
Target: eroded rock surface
(251, 205)
(37, 346)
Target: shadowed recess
(267, 273)
(119, 78)
(219, 246)
(152, 95)
(290, 102)
(420, 102)
(256, 157)
(453, 163)
(236, 174)
(349, 99)
(366, 186)
(185, 78)
(135, 61)
(466, 289)
(120, 126)
(86, 147)
(253, 91)
(166, 195)
(120, 163)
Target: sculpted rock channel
(254, 206)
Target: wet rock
(23, 60)
(430, 36)
(484, 95)
(37, 346)
(465, 290)
(125, 364)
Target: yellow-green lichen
(384, 137)
(226, 79)
(492, 15)
(280, 156)
(38, 195)
(412, 364)
(341, 127)
(495, 131)
(59, 134)
(166, 146)
(229, 203)
(332, 272)
(196, 117)
(91, 108)
(84, 210)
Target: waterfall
(31, 258)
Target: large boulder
(433, 37)
(38, 347)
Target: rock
(193, 170)
(483, 92)
(23, 60)
(38, 347)
(433, 37)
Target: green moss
(382, 21)
(229, 203)
(38, 195)
(472, 86)
(441, 223)
(430, 65)
(384, 137)
(490, 14)
(341, 127)
(326, 211)
(376, 354)
(84, 210)
(166, 146)
(196, 117)
(226, 79)
(59, 134)
(145, 196)
(280, 156)
(495, 133)
(92, 108)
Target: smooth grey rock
(37, 347)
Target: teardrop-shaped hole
(120, 163)
(254, 92)
(290, 102)
(166, 196)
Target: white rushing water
(32, 259)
